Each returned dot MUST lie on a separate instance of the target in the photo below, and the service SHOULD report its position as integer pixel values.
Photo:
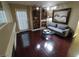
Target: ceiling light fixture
(37, 8)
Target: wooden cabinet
(43, 13)
(43, 23)
(43, 17)
(36, 17)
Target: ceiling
(38, 3)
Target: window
(22, 19)
(2, 17)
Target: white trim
(24, 30)
(3, 25)
(38, 29)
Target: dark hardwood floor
(42, 46)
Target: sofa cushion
(62, 26)
(55, 29)
(52, 24)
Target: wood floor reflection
(42, 46)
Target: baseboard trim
(23, 31)
(39, 29)
(32, 29)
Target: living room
(40, 28)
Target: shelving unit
(36, 18)
(39, 18)
(43, 21)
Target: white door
(22, 19)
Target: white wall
(7, 33)
(74, 49)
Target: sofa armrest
(66, 32)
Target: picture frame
(61, 16)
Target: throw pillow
(52, 24)
(62, 26)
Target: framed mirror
(61, 16)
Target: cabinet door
(43, 14)
(36, 18)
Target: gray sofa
(60, 29)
